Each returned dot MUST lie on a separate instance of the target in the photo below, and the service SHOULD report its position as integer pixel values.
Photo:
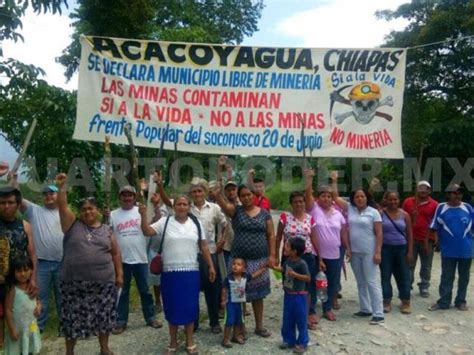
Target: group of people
(219, 238)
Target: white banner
(217, 99)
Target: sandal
(264, 333)
(192, 350)
(239, 339)
(170, 351)
(312, 326)
(329, 315)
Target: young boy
(295, 307)
(233, 300)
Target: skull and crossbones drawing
(365, 101)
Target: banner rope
(440, 42)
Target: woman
(294, 224)
(331, 233)
(365, 240)
(182, 237)
(397, 252)
(91, 273)
(254, 240)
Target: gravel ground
(422, 332)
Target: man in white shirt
(126, 224)
(211, 217)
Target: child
(233, 300)
(295, 304)
(23, 335)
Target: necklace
(90, 233)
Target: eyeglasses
(89, 199)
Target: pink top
(293, 227)
(328, 226)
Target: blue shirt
(453, 224)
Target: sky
(284, 23)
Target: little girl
(23, 335)
(233, 298)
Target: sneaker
(424, 293)
(362, 314)
(377, 320)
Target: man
(126, 224)
(421, 209)
(211, 218)
(257, 185)
(15, 240)
(225, 243)
(453, 222)
(48, 239)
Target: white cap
(424, 183)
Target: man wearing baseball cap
(453, 222)
(48, 239)
(421, 209)
(126, 224)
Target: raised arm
(335, 192)
(161, 189)
(308, 188)
(250, 175)
(66, 216)
(147, 230)
(227, 207)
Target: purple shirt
(328, 225)
(392, 235)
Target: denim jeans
(211, 291)
(48, 275)
(367, 275)
(333, 274)
(312, 262)
(448, 271)
(140, 274)
(394, 263)
(426, 261)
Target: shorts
(234, 314)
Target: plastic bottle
(321, 287)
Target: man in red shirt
(258, 187)
(421, 209)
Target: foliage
(211, 21)
(439, 77)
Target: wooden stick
(107, 179)
(134, 159)
(26, 143)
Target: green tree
(438, 110)
(211, 21)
